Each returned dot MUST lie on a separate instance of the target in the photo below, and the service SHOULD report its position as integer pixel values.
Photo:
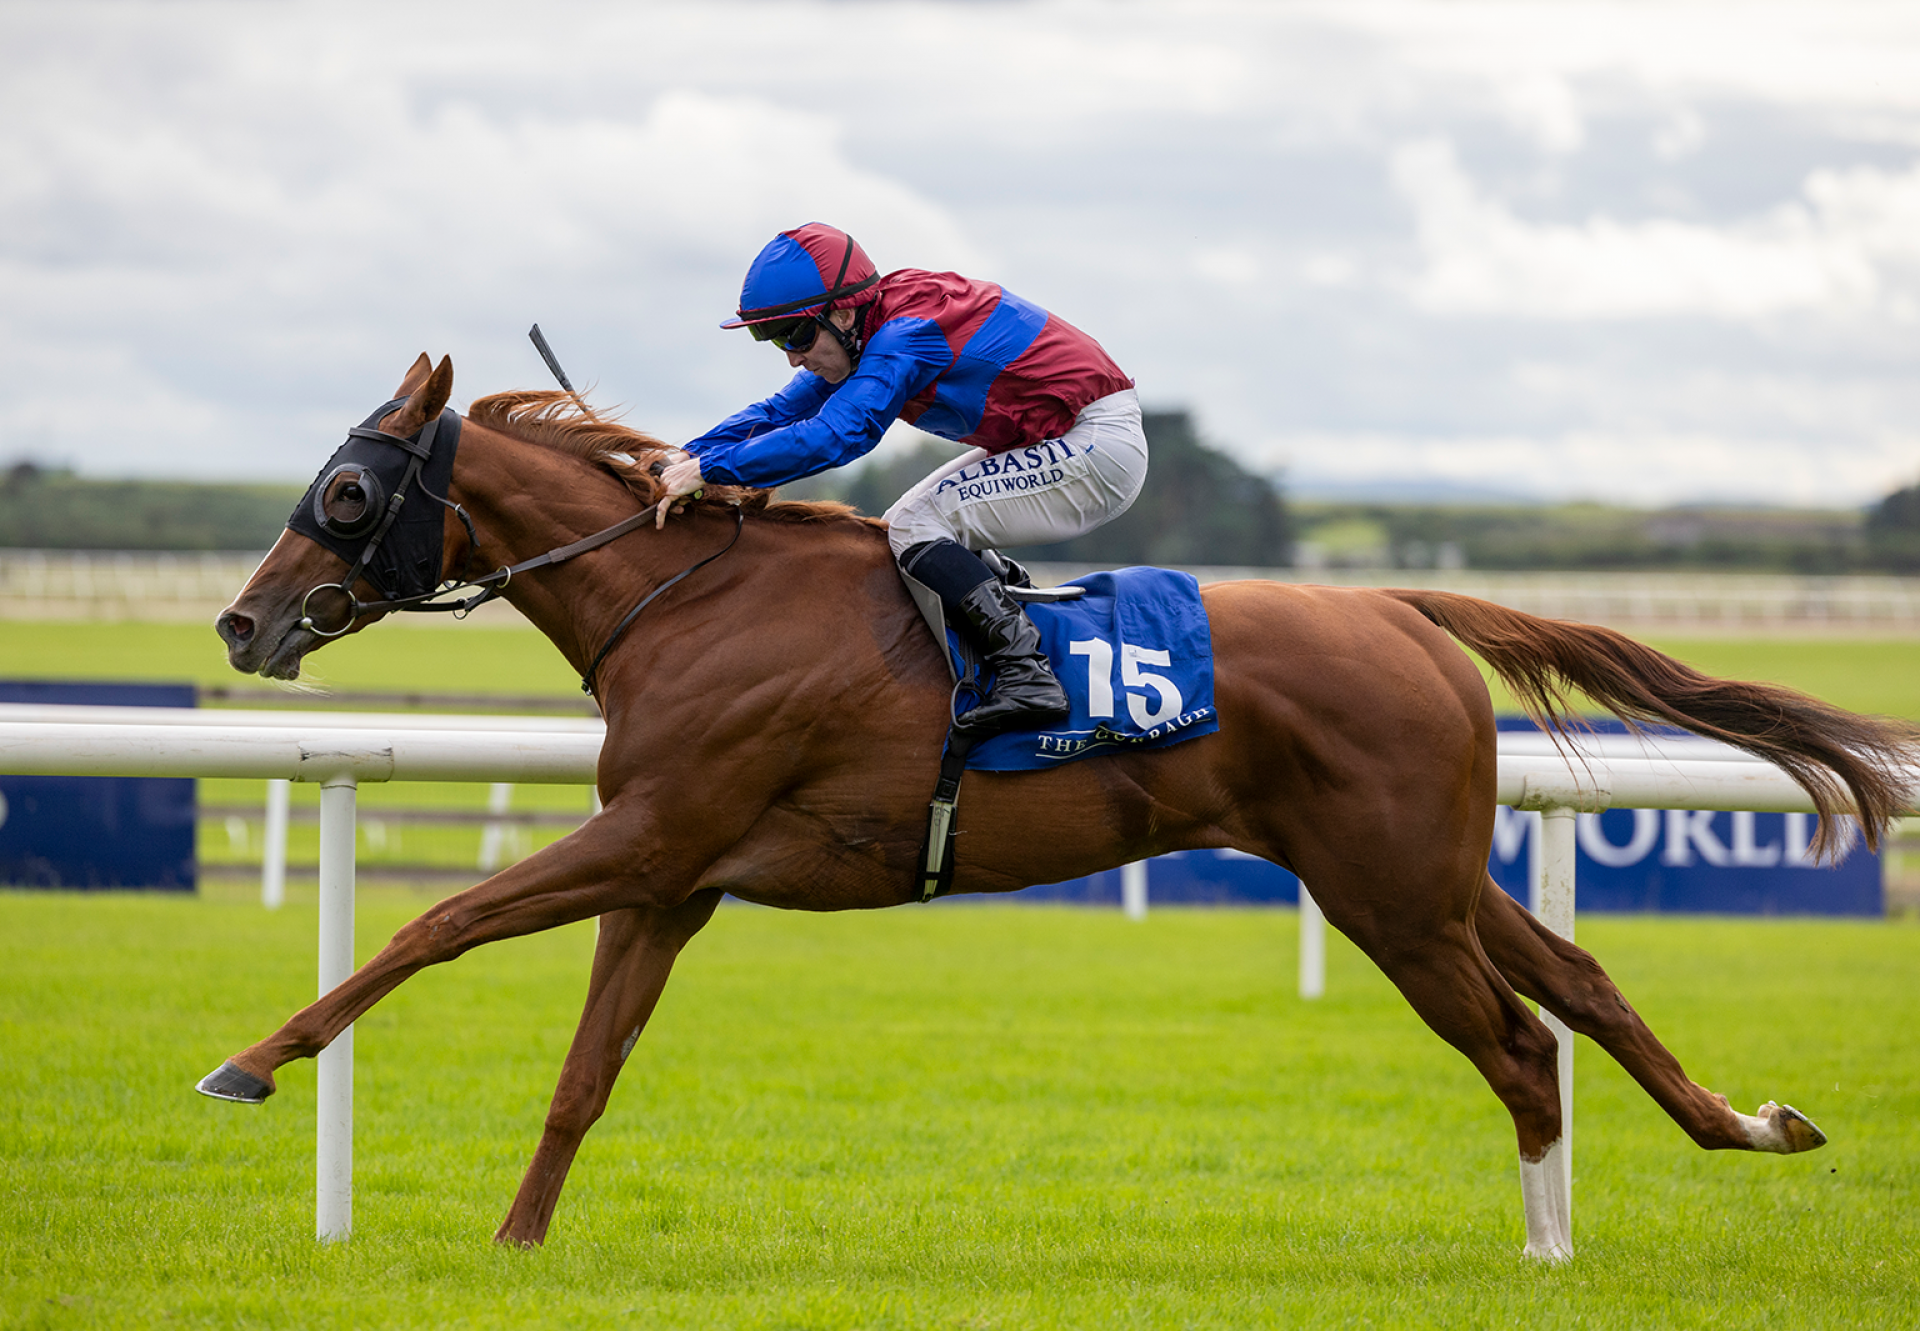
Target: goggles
(795, 335)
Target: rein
(494, 583)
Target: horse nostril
(236, 629)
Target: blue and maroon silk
(968, 361)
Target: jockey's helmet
(801, 275)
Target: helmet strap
(849, 343)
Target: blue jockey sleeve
(811, 425)
(800, 399)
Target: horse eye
(346, 499)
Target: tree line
(1198, 507)
(47, 509)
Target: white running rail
(337, 752)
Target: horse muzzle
(273, 649)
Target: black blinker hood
(406, 560)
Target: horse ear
(426, 400)
(416, 375)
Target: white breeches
(1050, 491)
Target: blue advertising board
(1693, 860)
(1186, 878)
(1674, 860)
(1697, 862)
(97, 831)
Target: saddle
(1132, 648)
(1019, 585)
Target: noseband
(408, 556)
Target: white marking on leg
(1549, 1205)
(626, 1045)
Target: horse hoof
(228, 1082)
(1783, 1130)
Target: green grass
(1876, 675)
(459, 658)
(965, 1117)
(952, 1117)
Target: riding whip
(553, 363)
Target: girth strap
(937, 852)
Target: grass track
(962, 1116)
(967, 1117)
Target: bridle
(378, 520)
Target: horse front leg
(631, 961)
(600, 868)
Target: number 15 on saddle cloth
(1135, 655)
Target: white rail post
(1133, 889)
(273, 858)
(1555, 910)
(493, 837)
(333, 1133)
(1313, 946)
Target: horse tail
(1543, 662)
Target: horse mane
(552, 419)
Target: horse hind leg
(631, 961)
(1569, 983)
(1443, 973)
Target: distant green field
(1870, 675)
(1875, 675)
(960, 1116)
(461, 658)
(466, 659)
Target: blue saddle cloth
(1136, 657)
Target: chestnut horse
(774, 725)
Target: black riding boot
(1025, 694)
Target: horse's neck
(527, 500)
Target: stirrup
(1046, 595)
(1019, 583)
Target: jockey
(1057, 445)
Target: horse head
(351, 543)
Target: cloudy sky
(1617, 250)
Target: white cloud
(225, 229)
(172, 238)
(1649, 467)
(1543, 107)
(1681, 136)
(1851, 55)
(1852, 244)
